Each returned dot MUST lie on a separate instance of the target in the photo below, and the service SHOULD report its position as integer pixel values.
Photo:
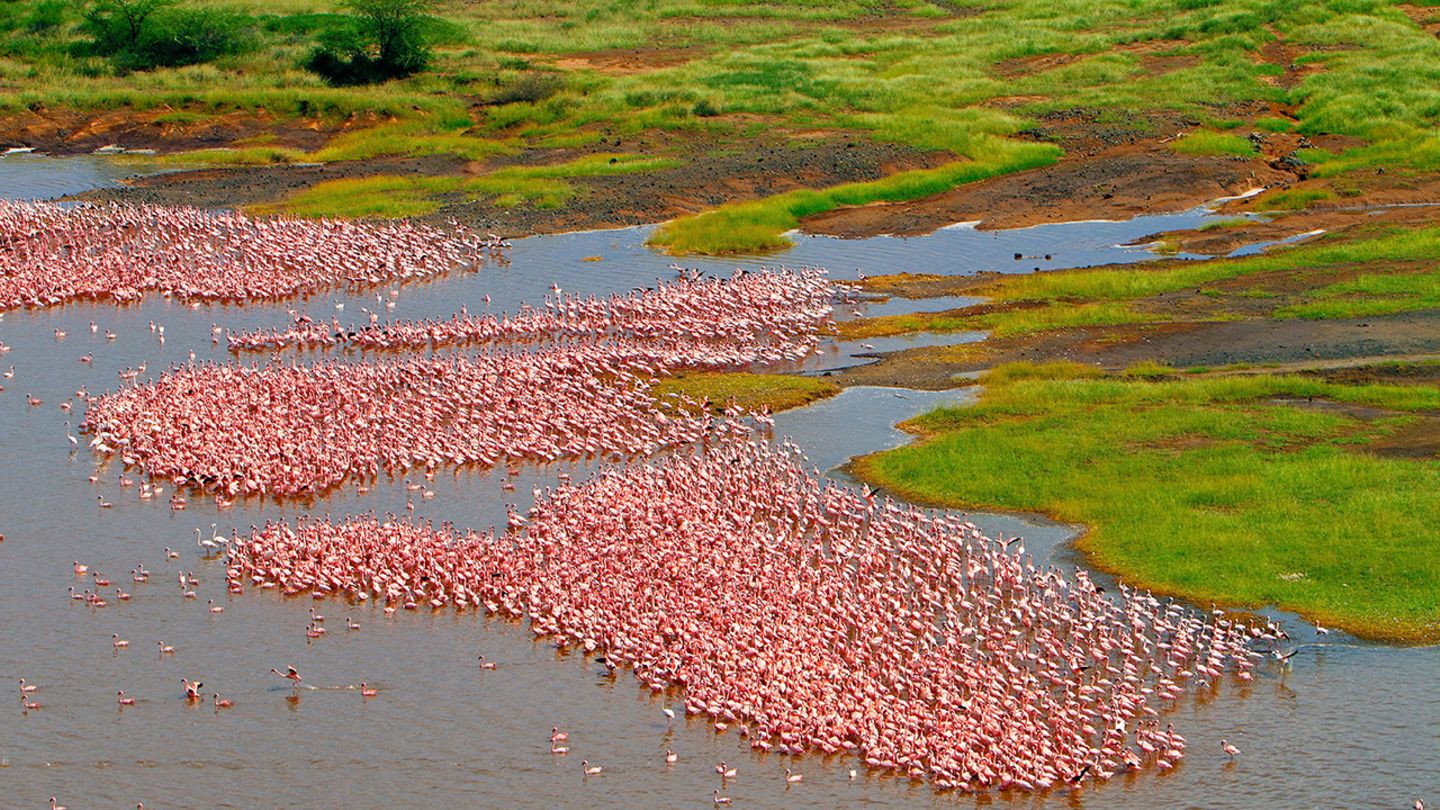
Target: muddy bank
(1119, 185)
(1274, 341)
(705, 179)
(1414, 204)
(70, 132)
(235, 187)
(1273, 345)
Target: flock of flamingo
(703, 554)
(806, 615)
(51, 254)
(755, 317)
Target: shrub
(145, 34)
(46, 15)
(704, 109)
(384, 39)
(529, 87)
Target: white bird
(210, 545)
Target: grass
(1224, 224)
(756, 227)
(1294, 199)
(751, 392)
(239, 156)
(1370, 294)
(1203, 142)
(395, 196)
(1024, 304)
(933, 80)
(1216, 489)
(382, 196)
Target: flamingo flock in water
(286, 430)
(52, 254)
(804, 614)
(809, 616)
(765, 316)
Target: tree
(396, 27)
(117, 25)
(145, 34)
(386, 39)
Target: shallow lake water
(1347, 725)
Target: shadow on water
(1346, 725)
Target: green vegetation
(759, 226)
(752, 392)
(146, 34)
(386, 196)
(958, 79)
(1294, 199)
(396, 196)
(386, 40)
(1223, 224)
(1401, 279)
(1226, 489)
(1371, 294)
(1213, 143)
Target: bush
(385, 39)
(704, 109)
(145, 34)
(529, 87)
(46, 15)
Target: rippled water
(1349, 725)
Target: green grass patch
(1029, 303)
(1210, 488)
(751, 392)
(1274, 124)
(408, 140)
(382, 196)
(240, 156)
(395, 196)
(1371, 294)
(756, 227)
(1293, 199)
(1213, 143)
(1224, 224)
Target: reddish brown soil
(67, 132)
(1118, 184)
